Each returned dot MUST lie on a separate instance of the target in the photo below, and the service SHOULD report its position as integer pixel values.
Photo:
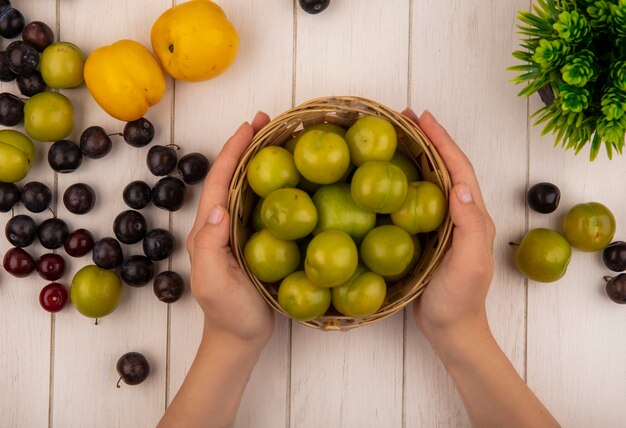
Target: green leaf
(551, 8)
(530, 75)
(580, 146)
(545, 9)
(532, 88)
(524, 67)
(572, 143)
(575, 47)
(535, 21)
(562, 131)
(550, 125)
(609, 149)
(545, 112)
(524, 56)
(595, 147)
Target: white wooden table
(566, 339)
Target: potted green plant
(574, 55)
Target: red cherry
(53, 297)
(18, 262)
(79, 243)
(51, 266)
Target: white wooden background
(566, 339)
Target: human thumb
(469, 220)
(214, 234)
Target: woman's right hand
(455, 297)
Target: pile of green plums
(544, 254)
(49, 116)
(37, 63)
(338, 217)
(17, 155)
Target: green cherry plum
(423, 210)
(308, 186)
(95, 292)
(388, 250)
(17, 155)
(289, 214)
(62, 65)
(337, 210)
(322, 157)
(407, 166)
(589, 227)
(325, 127)
(379, 186)
(362, 295)
(371, 138)
(417, 254)
(301, 298)
(270, 169)
(543, 255)
(257, 220)
(269, 258)
(48, 116)
(331, 258)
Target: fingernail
(216, 215)
(431, 115)
(242, 126)
(257, 116)
(463, 193)
(409, 112)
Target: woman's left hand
(233, 308)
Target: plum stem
(514, 244)
(607, 278)
(118, 382)
(96, 321)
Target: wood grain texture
(25, 328)
(575, 332)
(84, 366)
(447, 56)
(460, 52)
(206, 114)
(352, 378)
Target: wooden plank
(86, 354)
(26, 327)
(354, 378)
(575, 332)
(460, 52)
(459, 55)
(207, 113)
(347, 379)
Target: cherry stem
(608, 278)
(173, 145)
(115, 133)
(514, 244)
(53, 213)
(118, 382)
